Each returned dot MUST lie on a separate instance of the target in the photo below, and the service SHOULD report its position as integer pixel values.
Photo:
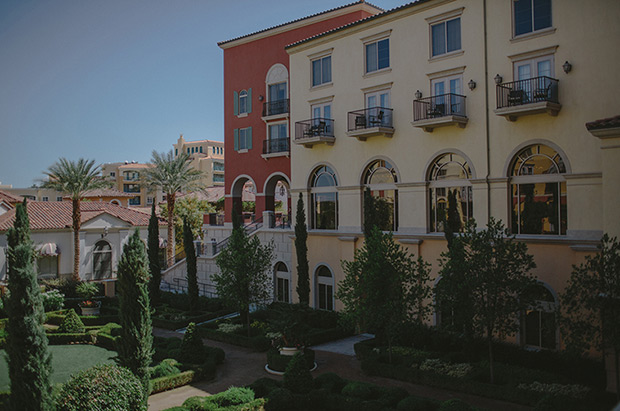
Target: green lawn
(66, 360)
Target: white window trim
(319, 57)
(276, 123)
(533, 61)
(444, 17)
(376, 38)
(531, 34)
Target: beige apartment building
(126, 177)
(487, 99)
(206, 156)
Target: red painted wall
(246, 66)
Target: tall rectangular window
(531, 15)
(277, 131)
(446, 36)
(322, 71)
(377, 55)
(243, 138)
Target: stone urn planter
(90, 307)
(277, 359)
(289, 351)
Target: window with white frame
(242, 102)
(45, 198)
(59, 198)
(323, 188)
(377, 55)
(282, 283)
(47, 266)
(447, 93)
(322, 117)
(380, 177)
(243, 138)
(321, 70)
(324, 289)
(376, 102)
(445, 36)
(102, 261)
(531, 15)
(278, 131)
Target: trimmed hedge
(71, 338)
(56, 318)
(257, 343)
(171, 381)
(161, 322)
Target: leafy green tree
(591, 303)
(453, 219)
(384, 286)
(191, 209)
(26, 344)
(136, 340)
(495, 270)
(153, 254)
(75, 179)
(172, 174)
(190, 263)
(301, 250)
(244, 272)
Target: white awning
(162, 243)
(49, 249)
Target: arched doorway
(244, 199)
(278, 200)
(282, 283)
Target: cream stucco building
(206, 156)
(487, 99)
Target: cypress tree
(301, 248)
(153, 251)
(190, 260)
(26, 344)
(370, 217)
(453, 220)
(136, 339)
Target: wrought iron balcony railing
(272, 108)
(370, 118)
(439, 106)
(313, 128)
(533, 90)
(277, 145)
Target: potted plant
(87, 291)
(291, 339)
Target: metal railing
(316, 127)
(277, 145)
(533, 90)
(439, 106)
(248, 228)
(370, 118)
(272, 108)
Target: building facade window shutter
(249, 104)
(235, 104)
(236, 131)
(249, 138)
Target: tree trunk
(617, 360)
(170, 199)
(491, 370)
(77, 217)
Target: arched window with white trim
(282, 283)
(538, 189)
(102, 261)
(449, 173)
(324, 286)
(324, 214)
(380, 177)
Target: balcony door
(528, 69)
(446, 105)
(374, 102)
(321, 117)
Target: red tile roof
(57, 215)
(10, 198)
(104, 192)
(611, 122)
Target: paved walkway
(243, 366)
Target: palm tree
(172, 175)
(74, 179)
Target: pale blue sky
(112, 80)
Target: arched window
(380, 177)
(324, 199)
(538, 191)
(282, 283)
(243, 102)
(102, 261)
(449, 173)
(539, 323)
(324, 289)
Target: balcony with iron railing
(370, 122)
(276, 147)
(439, 111)
(315, 131)
(525, 97)
(276, 109)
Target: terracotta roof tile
(104, 192)
(57, 215)
(611, 122)
(10, 198)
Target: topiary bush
(71, 323)
(192, 348)
(280, 399)
(102, 387)
(297, 377)
(331, 382)
(165, 368)
(362, 390)
(263, 386)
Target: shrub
(70, 338)
(104, 387)
(417, 404)
(263, 386)
(392, 396)
(330, 381)
(569, 390)
(53, 300)
(280, 399)
(440, 367)
(86, 290)
(112, 329)
(192, 348)
(72, 323)
(455, 405)
(229, 328)
(171, 381)
(165, 368)
(232, 396)
(362, 390)
(297, 377)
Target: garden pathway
(243, 366)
